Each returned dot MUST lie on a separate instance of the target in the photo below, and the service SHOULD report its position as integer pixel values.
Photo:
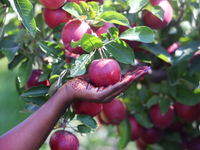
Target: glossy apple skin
(54, 18)
(89, 108)
(74, 30)
(104, 28)
(132, 44)
(33, 79)
(154, 22)
(53, 4)
(151, 135)
(113, 112)
(63, 140)
(187, 113)
(194, 144)
(104, 72)
(159, 120)
(76, 1)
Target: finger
(84, 77)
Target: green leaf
(69, 114)
(113, 17)
(173, 137)
(152, 101)
(157, 50)
(24, 10)
(79, 68)
(74, 44)
(34, 100)
(9, 49)
(121, 51)
(24, 72)
(90, 42)
(195, 66)
(88, 121)
(113, 32)
(45, 75)
(51, 49)
(73, 8)
(31, 108)
(125, 133)
(94, 5)
(87, 10)
(155, 88)
(142, 57)
(164, 105)
(83, 128)
(156, 10)
(143, 119)
(36, 91)
(136, 5)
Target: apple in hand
(63, 140)
(53, 4)
(153, 21)
(104, 28)
(104, 72)
(113, 112)
(159, 120)
(33, 79)
(74, 30)
(187, 113)
(89, 108)
(54, 18)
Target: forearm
(31, 133)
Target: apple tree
(53, 41)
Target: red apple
(172, 48)
(159, 120)
(54, 18)
(89, 108)
(63, 140)
(154, 22)
(104, 28)
(53, 4)
(113, 112)
(187, 113)
(74, 30)
(100, 120)
(132, 44)
(194, 144)
(104, 72)
(76, 1)
(33, 79)
(141, 145)
(151, 135)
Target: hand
(80, 88)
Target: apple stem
(100, 53)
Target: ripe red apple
(141, 145)
(104, 28)
(76, 1)
(194, 144)
(100, 120)
(54, 18)
(159, 120)
(74, 30)
(113, 112)
(187, 113)
(53, 4)
(89, 108)
(63, 140)
(33, 79)
(172, 48)
(154, 22)
(132, 44)
(151, 135)
(104, 72)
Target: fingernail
(148, 69)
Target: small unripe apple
(33, 79)
(104, 28)
(194, 144)
(54, 18)
(76, 1)
(113, 112)
(151, 135)
(74, 30)
(159, 120)
(187, 113)
(104, 72)
(153, 21)
(89, 108)
(63, 140)
(53, 4)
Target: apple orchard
(53, 41)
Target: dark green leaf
(121, 51)
(24, 10)
(143, 119)
(45, 75)
(24, 72)
(73, 8)
(142, 57)
(135, 6)
(152, 101)
(195, 66)
(17, 59)
(113, 17)
(125, 133)
(34, 100)
(164, 105)
(36, 91)
(31, 108)
(173, 137)
(141, 33)
(88, 121)
(155, 88)
(83, 128)
(90, 42)
(69, 114)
